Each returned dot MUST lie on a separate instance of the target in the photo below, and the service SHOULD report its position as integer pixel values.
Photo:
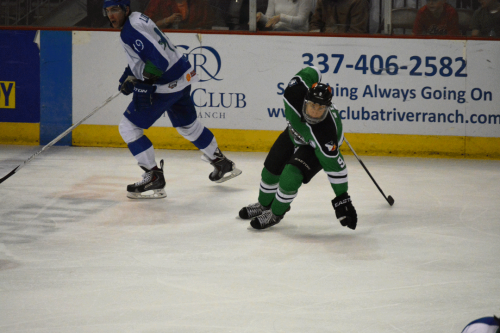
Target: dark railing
(25, 12)
(385, 16)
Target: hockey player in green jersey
(310, 143)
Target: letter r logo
(7, 95)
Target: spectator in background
(95, 17)
(285, 15)
(486, 19)
(238, 13)
(184, 14)
(436, 18)
(137, 5)
(340, 16)
(483, 325)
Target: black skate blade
(152, 194)
(230, 175)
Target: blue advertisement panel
(19, 77)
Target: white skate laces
(255, 209)
(150, 187)
(146, 178)
(265, 220)
(252, 211)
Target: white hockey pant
(131, 133)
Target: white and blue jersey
(149, 50)
(482, 325)
(153, 58)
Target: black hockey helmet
(317, 102)
(320, 93)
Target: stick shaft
(59, 137)
(368, 172)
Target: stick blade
(9, 174)
(390, 200)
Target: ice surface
(76, 255)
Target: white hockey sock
(131, 133)
(146, 158)
(199, 135)
(210, 149)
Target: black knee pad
(280, 153)
(306, 161)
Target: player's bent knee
(191, 132)
(290, 179)
(129, 131)
(274, 167)
(308, 170)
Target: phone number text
(376, 65)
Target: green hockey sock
(268, 187)
(290, 182)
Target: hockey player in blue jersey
(483, 325)
(160, 78)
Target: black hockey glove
(344, 210)
(127, 82)
(143, 95)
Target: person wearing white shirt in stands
(286, 15)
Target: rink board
(256, 140)
(405, 97)
(262, 140)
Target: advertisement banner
(380, 85)
(19, 77)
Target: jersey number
(341, 162)
(163, 40)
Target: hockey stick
(389, 199)
(62, 135)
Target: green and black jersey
(325, 137)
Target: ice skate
(150, 187)
(253, 210)
(224, 168)
(266, 220)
